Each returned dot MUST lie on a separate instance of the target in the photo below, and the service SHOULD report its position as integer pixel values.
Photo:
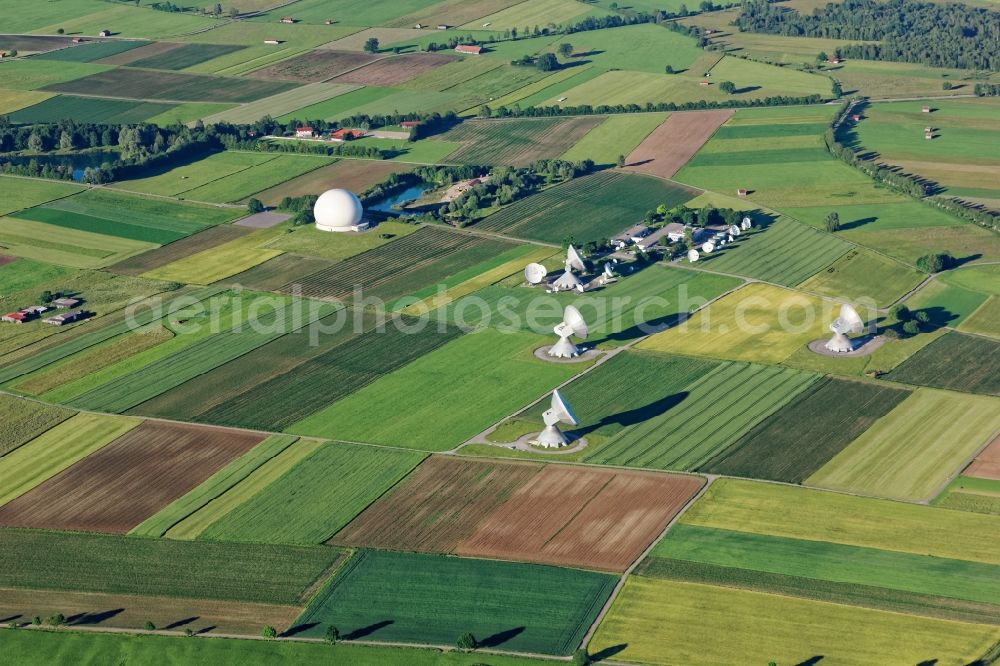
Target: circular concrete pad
(542, 354)
(522, 444)
(866, 348)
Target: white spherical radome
(337, 210)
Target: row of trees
(938, 34)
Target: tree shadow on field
(205, 630)
(634, 416)
(745, 89)
(500, 637)
(181, 623)
(655, 325)
(93, 618)
(361, 632)
(10, 618)
(812, 661)
(959, 261)
(299, 628)
(608, 652)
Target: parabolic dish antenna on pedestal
(708, 248)
(573, 259)
(849, 321)
(746, 223)
(558, 412)
(693, 255)
(535, 273)
(734, 230)
(572, 325)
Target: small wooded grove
(942, 35)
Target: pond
(79, 161)
(388, 204)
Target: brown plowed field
(87, 609)
(395, 70)
(314, 66)
(593, 518)
(130, 479)
(671, 145)
(987, 464)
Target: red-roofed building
(741, 192)
(303, 131)
(407, 124)
(346, 134)
(703, 82)
(469, 48)
(18, 317)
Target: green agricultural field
(473, 92)
(785, 253)
(629, 389)
(219, 262)
(345, 367)
(666, 622)
(25, 419)
(587, 208)
(14, 100)
(821, 560)
(259, 177)
(473, 382)
(985, 279)
(216, 485)
(89, 110)
(185, 56)
(818, 515)
(902, 214)
(769, 78)
(93, 50)
(316, 497)
(954, 361)
(337, 105)
(517, 142)
(757, 323)
(863, 276)
(913, 451)
(196, 174)
(705, 417)
(68, 648)
(282, 103)
(307, 240)
(420, 598)
(99, 225)
(967, 493)
(19, 193)
(128, 21)
(617, 135)
(147, 382)
(173, 86)
(56, 449)
(189, 112)
(985, 320)
(159, 214)
(946, 304)
(39, 559)
(829, 415)
(30, 74)
(534, 13)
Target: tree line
(941, 35)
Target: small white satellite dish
(693, 255)
(734, 230)
(558, 412)
(849, 321)
(729, 238)
(708, 247)
(574, 260)
(571, 326)
(580, 288)
(746, 223)
(535, 273)
(608, 270)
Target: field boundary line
(709, 478)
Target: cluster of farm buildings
(33, 312)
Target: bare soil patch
(130, 479)
(675, 141)
(88, 609)
(395, 70)
(555, 514)
(987, 464)
(314, 66)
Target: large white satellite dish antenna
(734, 230)
(693, 255)
(559, 412)
(567, 281)
(571, 326)
(535, 273)
(746, 223)
(574, 260)
(708, 247)
(849, 321)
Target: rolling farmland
(316, 497)
(482, 509)
(170, 86)
(586, 208)
(516, 142)
(431, 599)
(137, 474)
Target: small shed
(304, 132)
(66, 302)
(926, 109)
(741, 192)
(928, 135)
(104, 33)
(271, 41)
(856, 117)
(66, 318)
(442, 26)
(287, 19)
(703, 82)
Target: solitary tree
(149, 626)
(332, 635)
(36, 620)
(485, 111)
(727, 87)
(233, 12)
(255, 206)
(900, 312)
(371, 45)
(620, 161)
(189, 632)
(269, 632)
(580, 658)
(836, 89)
(57, 620)
(217, 10)
(822, 56)
(565, 50)
(467, 642)
(547, 62)
(46, 296)
(669, 69)
(61, 31)
(947, 85)
(833, 222)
